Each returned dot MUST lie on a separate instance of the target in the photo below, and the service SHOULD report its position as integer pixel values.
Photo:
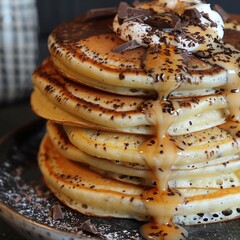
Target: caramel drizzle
(160, 152)
(166, 65)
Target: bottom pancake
(87, 191)
(93, 193)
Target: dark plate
(28, 205)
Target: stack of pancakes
(101, 110)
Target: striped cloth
(18, 48)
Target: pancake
(81, 57)
(64, 146)
(194, 148)
(126, 162)
(93, 194)
(48, 110)
(143, 117)
(110, 194)
(119, 112)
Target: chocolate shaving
(137, 18)
(133, 12)
(191, 37)
(127, 13)
(99, 12)
(126, 46)
(182, 34)
(222, 12)
(164, 21)
(206, 15)
(57, 213)
(89, 227)
(122, 12)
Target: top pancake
(84, 54)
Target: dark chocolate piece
(127, 13)
(57, 213)
(137, 18)
(100, 12)
(192, 15)
(89, 227)
(206, 15)
(164, 21)
(133, 12)
(225, 16)
(126, 46)
(122, 12)
(135, 3)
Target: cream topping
(196, 36)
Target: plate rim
(24, 129)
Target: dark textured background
(53, 12)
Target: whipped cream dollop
(196, 25)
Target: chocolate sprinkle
(126, 46)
